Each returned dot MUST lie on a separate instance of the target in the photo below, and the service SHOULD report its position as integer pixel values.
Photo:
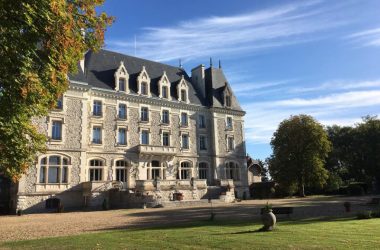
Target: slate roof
(101, 66)
(216, 84)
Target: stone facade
(87, 171)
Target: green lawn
(312, 234)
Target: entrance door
(5, 194)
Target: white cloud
(370, 37)
(344, 108)
(232, 35)
(338, 85)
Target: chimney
(198, 79)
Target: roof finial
(180, 63)
(210, 62)
(220, 64)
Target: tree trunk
(302, 190)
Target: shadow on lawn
(244, 214)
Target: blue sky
(282, 58)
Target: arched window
(54, 169)
(203, 172)
(96, 170)
(121, 170)
(184, 171)
(232, 171)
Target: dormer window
(122, 84)
(121, 79)
(183, 91)
(164, 90)
(228, 101)
(164, 87)
(143, 83)
(144, 88)
(183, 95)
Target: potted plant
(268, 218)
(347, 206)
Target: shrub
(355, 189)
(364, 215)
(376, 214)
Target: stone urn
(269, 220)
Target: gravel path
(52, 224)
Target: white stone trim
(164, 82)
(143, 77)
(121, 73)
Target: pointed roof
(216, 85)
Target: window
(229, 123)
(230, 143)
(185, 141)
(202, 142)
(121, 171)
(54, 169)
(164, 93)
(96, 170)
(59, 104)
(144, 114)
(145, 137)
(183, 95)
(56, 133)
(122, 111)
(184, 120)
(155, 171)
(97, 108)
(97, 135)
(203, 171)
(165, 139)
(122, 84)
(122, 136)
(185, 171)
(165, 116)
(202, 122)
(144, 88)
(232, 171)
(228, 101)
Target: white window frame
(92, 134)
(143, 77)
(121, 73)
(50, 130)
(182, 85)
(164, 82)
(188, 141)
(117, 136)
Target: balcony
(156, 150)
(163, 185)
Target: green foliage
(364, 215)
(355, 189)
(41, 42)
(355, 153)
(300, 147)
(333, 183)
(268, 208)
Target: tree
(41, 42)
(300, 146)
(355, 153)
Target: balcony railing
(160, 150)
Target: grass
(304, 234)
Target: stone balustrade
(151, 185)
(149, 149)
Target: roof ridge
(143, 59)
